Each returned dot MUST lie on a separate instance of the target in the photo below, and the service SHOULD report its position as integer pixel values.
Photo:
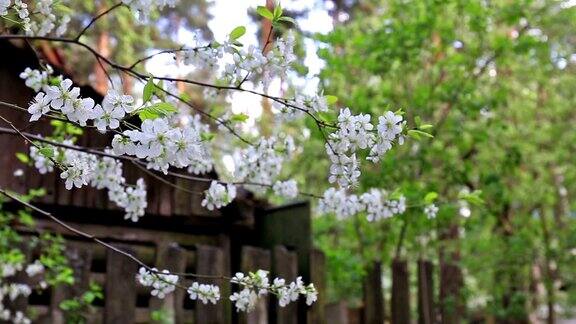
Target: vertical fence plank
(173, 258)
(337, 313)
(373, 295)
(450, 298)
(425, 292)
(120, 293)
(210, 260)
(400, 309)
(285, 265)
(252, 259)
(79, 259)
(318, 277)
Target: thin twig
(100, 15)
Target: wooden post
(120, 296)
(318, 277)
(210, 260)
(173, 258)
(252, 259)
(337, 313)
(284, 265)
(450, 283)
(400, 292)
(373, 296)
(425, 292)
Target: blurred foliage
(496, 79)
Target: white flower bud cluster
(253, 285)
(355, 132)
(257, 284)
(263, 162)
(375, 203)
(204, 292)
(36, 79)
(431, 210)
(164, 145)
(46, 20)
(286, 189)
(65, 99)
(218, 195)
(162, 283)
(313, 104)
(81, 169)
(10, 291)
(143, 8)
(246, 63)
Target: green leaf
(23, 157)
(265, 12)
(277, 12)
(430, 197)
(287, 19)
(418, 121)
(237, 32)
(418, 134)
(425, 126)
(473, 197)
(331, 99)
(239, 118)
(48, 152)
(158, 90)
(148, 90)
(157, 110)
(207, 136)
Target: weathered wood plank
(252, 259)
(285, 265)
(210, 260)
(315, 312)
(120, 291)
(337, 313)
(373, 295)
(173, 258)
(400, 306)
(425, 292)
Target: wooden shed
(176, 233)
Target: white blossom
(431, 210)
(162, 283)
(287, 189)
(34, 269)
(205, 293)
(218, 195)
(39, 106)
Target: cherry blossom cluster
(10, 291)
(253, 285)
(291, 109)
(262, 163)
(204, 292)
(39, 18)
(80, 169)
(431, 210)
(37, 79)
(218, 195)
(245, 63)
(143, 8)
(287, 189)
(356, 132)
(256, 284)
(377, 204)
(162, 283)
(163, 145)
